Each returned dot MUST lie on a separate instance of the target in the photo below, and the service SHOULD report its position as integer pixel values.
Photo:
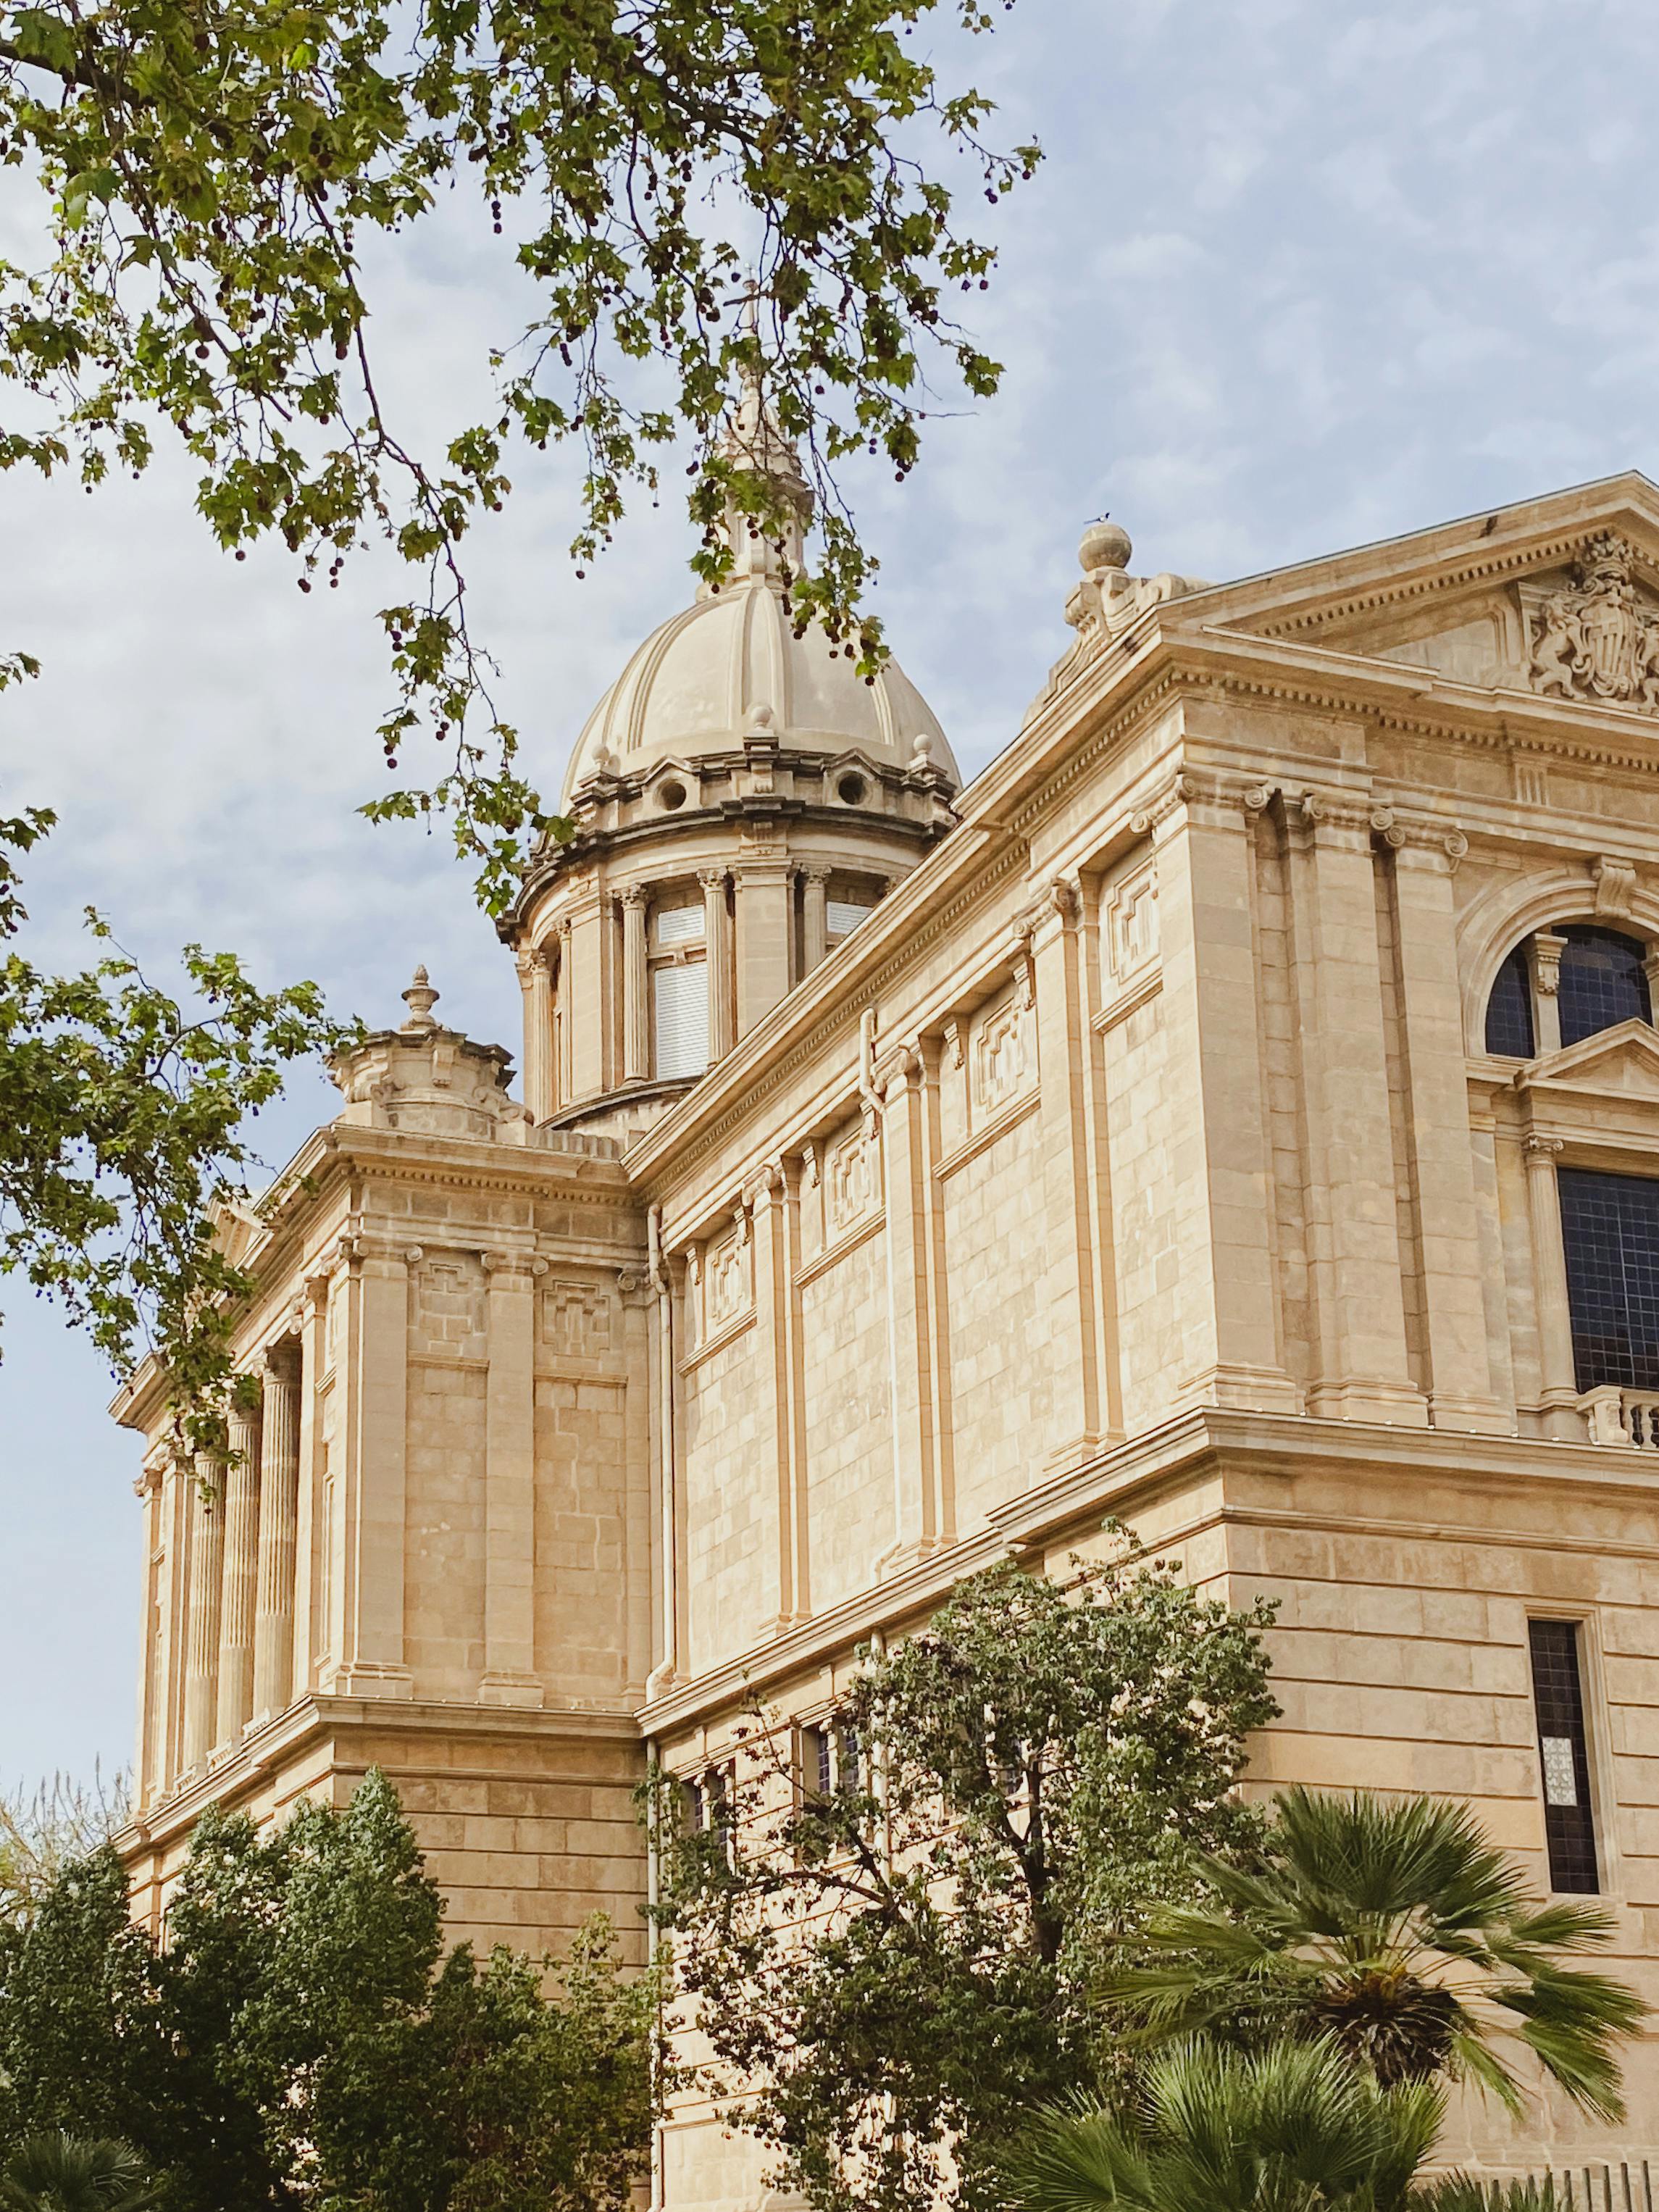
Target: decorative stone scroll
(1598, 638)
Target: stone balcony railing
(1617, 1416)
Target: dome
(731, 666)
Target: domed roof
(731, 666)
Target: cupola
(742, 797)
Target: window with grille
(817, 1770)
(1603, 982)
(843, 916)
(680, 1006)
(709, 1807)
(1563, 1755)
(678, 925)
(1508, 1009)
(1610, 1233)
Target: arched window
(1564, 984)
(1508, 1009)
(1603, 982)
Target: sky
(1293, 277)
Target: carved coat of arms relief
(1598, 637)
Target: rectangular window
(843, 916)
(680, 925)
(681, 1007)
(850, 1762)
(1610, 1231)
(817, 1776)
(694, 1810)
(1563, 1755)
(707, 1806)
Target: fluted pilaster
(242, 1566)
(279, 1496)
(207, 1552)
(637, 1006)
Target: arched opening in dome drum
(851, 791)
(671, 796)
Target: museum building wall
(1232, 1115)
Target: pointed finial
(753, 440)
(420, 997)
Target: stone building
(1237, 1111)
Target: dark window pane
(1610, 1227)
(1601, 982)
(1564, 1754)
(1508, 1009)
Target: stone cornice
(1448, 559)
(1172, 657)
(265, 1751)
(1203, 1444)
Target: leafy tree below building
(901, 1966)
(300, 2036)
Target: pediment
(1557, 597)
(1621, 1063)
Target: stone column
(207, 1555)
(1063, 1042)
(1226, 1290)
(1559, 1396)
(776, 1228)
(1461, 1395)
(1547, 951)
(536, 984)
(312, 1535)
(177, 1483)
(374, 1508)
(637, 986)
(763, 939)
(241, 1569)
(1353, 1232)
(717, 957)
(907, 1193)
(279, 1503)
(152, 1687)
(509, 1677)
(815, 921)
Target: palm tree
(1466, 2192)
(1399, 1932)
(1295, 2127)
(62, 2173)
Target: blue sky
(1293, 276)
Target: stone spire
(753, 439)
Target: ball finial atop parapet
(1106, 545)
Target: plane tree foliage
(124, 1120)
(217, 177)
(208, 199)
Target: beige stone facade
(1117, 1136)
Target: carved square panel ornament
(1596, 638)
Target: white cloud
(1291, 277)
